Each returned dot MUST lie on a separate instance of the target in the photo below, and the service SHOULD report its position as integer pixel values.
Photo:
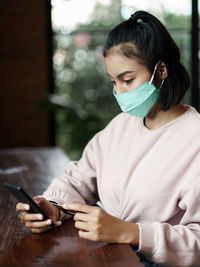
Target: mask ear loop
(161, 83)
(153, 73)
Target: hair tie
(136, 20)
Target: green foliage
(177, 21)
(179, 28)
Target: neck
(163, 117)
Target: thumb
(37, 199)
(57, 223)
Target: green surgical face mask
(139, 101)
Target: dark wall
(24, 72)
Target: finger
(22, 207)
(38, 224)
(79, 207)
(31, 217)
(46, 228)
(82, 226)
(88, 235)
(40, 230)
(52, 211)
(38, 200)
(21, 214)
(79, 216)
(43, 224)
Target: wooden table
(33, 169)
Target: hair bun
(136, 20)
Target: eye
(128, 81)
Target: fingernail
(58, 223)
(66, 206)
(48, 221)
(26, 207)
(40, 217)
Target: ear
(162, 70)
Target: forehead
(117, 63)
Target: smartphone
(23, 197)
(71, 212)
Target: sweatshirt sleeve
(78, 183)
(177, 245)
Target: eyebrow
(122, 74)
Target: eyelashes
(126, 81)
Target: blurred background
(54, 90)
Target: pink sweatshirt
(148, 177)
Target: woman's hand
(35, 221)
(97, 225)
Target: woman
(144, 166)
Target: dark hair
(145, 38)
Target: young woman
(144, 166)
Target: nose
(120, 89)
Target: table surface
(33, 169)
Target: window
(83, 98)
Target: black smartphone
(23, 197)
(71, 212)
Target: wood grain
(33, 169)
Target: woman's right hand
(34, 221)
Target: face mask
(139, 101)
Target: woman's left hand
(97, 225)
